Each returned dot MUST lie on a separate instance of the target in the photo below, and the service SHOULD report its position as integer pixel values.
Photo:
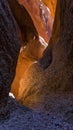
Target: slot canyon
(36, 64)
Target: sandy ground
(58, 115)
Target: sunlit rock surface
(24, 21)
(47, 57)
(58, 76)
(27, 57)
(35, 46)
(51, 4)
(41, 17)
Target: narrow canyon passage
(36, 64)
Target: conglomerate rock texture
(58, 76)
(59, 115)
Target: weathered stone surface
(56, 115)
(9, 50)
(58, 77)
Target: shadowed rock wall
(9, 50)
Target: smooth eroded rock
(58, 76)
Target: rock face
(24, 21)
(28, 31)
(58, 76)
(47, 57)
(41, 17)
(51, 4)
(9, 50)
(34, 49)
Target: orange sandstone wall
(41, 17)
(51, 4)
(43, 21)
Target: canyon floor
(57, 115)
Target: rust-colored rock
(28, 32)
(41, 17)
(24, 21)
(52, 5)
(34, 49)
(58, 77)
(47, 57)
(27, 57)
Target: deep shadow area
(58, 114)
